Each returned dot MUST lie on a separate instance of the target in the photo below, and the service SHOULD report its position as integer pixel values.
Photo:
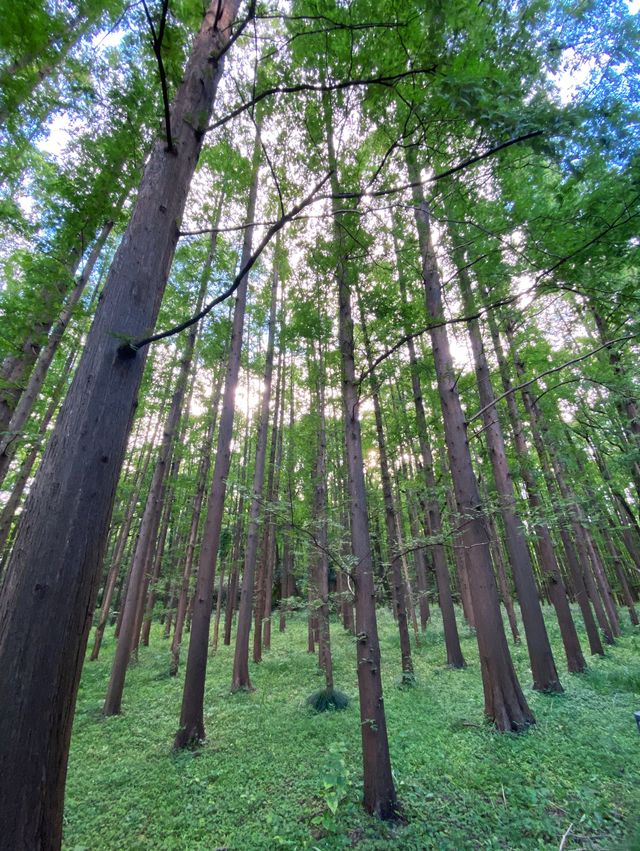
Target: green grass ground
(274, 775)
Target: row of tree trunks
(505, 703)
(543, 668)
(544, 544)
(29, 395)
(28, 463)
(573, 557)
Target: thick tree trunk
(191, 728)
(505, 703)
(121, 543)
(48, 597)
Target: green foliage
(271, 776)
(327, 700)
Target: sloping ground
(272, 773)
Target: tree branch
(130, 349)
(550, 372)
(156, 40)
(317, 87)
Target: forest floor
(274, 775)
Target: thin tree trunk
(240, 677)
(198, 499)
(191, 727)
(379, 790)
(433, 515)
(134, 603)
(321, 557)
(399, 588)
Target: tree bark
(505, 703)
(191, 727)
(47, 599)
(379, 790)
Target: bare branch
(550, 372)
(131, 348)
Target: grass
(274, 774)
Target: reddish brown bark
(240, 677)
(191, 727)
(48, 596)
(505, 703)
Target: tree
(60, 543)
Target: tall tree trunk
(264, 579)
(273, 491)
(379, 790)
(433, 514)
(546, 554)
(320, 517)
(399, 589)
(543, 667)
(47, 599)
(191, 728)
(505, 703)
(543, 447)
(240, 676)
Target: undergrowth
(272, 774)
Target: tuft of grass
(328, 700)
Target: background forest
(319, 371)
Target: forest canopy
(321, 313)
